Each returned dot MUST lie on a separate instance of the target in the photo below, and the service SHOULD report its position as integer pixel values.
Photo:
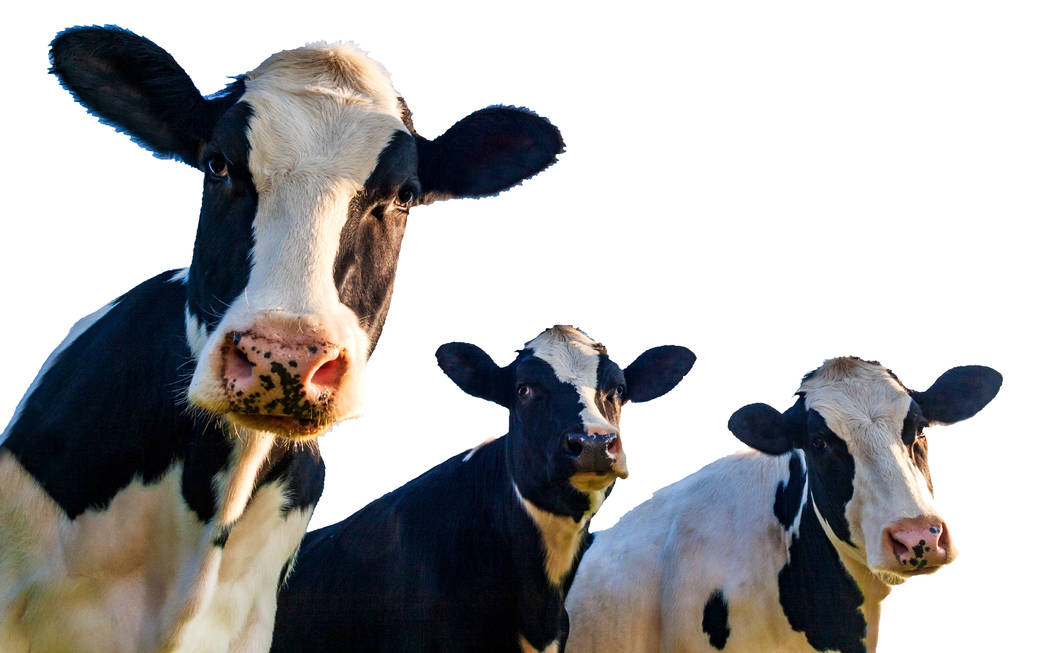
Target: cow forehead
(322, 110)
(861, 401)
(571, 353)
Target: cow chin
(287, 427)
(898, 576)
(587, 482)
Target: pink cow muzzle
(918, 545)
(281, 378)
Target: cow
(792, 546)
(477, 553)
(159, 473)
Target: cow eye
(406, 196)
(216, 167)
(524, 391)
(818, 443)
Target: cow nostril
(237, 365)
(900, 550)
(574, 446)
(329, 373)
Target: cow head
(311, 165)
(861, 433)
(564, 395)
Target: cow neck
(560, 537)
(826, 594)
(538, 602)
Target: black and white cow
(158, 475)
(791, 547)
(477, 553)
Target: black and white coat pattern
(477, 553)
(789, 548)
(157, 477)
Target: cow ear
(133, 85)
(485, 153)
(656, 372)
(761, 427)
(473, 371)
(959, 393)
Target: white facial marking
(574, 357)
(865, 406)
(321, 116)
(82, 325)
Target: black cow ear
(487, 152)
(959, 393)
(761, 427)
(133, 85)
(473, 371)
(656, 372)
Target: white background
(769, 184)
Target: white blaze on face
(321, 116)
(865, 405)
(574, 357)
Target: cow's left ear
(485, 153)
(959, 393)
(473, 371)
(656, 372)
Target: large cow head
(861, 433)
(564, 395)
(311, 165)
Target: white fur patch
(574, 357)
(82, 325)
(196, 333)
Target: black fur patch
(819, 597)
(788, 498)
(370, 243)
(716, 620)
(110, 410)
(831, 471)
(222, 249)
(913, 439)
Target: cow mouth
(295, 428)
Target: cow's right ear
(133, 85)
(473, 371)
(761, 427)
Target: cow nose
(919, 542)
(597, 451)
(281, 376)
